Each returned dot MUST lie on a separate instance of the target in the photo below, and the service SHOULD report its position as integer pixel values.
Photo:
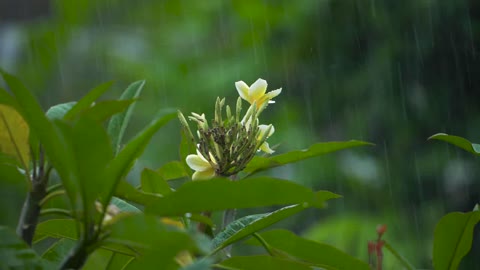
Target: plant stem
(76, 258)
(31, 207)
(399, 257)
(229, 217)
(29, 215)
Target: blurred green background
(389, 72)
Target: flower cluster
(229, 141)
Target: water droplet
(188, 215)
(305, 204)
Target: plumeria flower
(261, 134)
(202, 167)
(256, 93)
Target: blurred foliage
(389, 72)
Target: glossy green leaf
(318, 254)
(118, 123)
(262, 262)
(58, 111)
(245, 226)
(127, 192)
(453, 239)
(87, 100)
(120, 165)
(263, 163)
(103, 110)
(173, 170)
(14, 135)
(153, 182)
(15, 254)
(459, 142)
(7, 99)
(196, 196)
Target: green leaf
(56, 146)
(58, 111)
(262, 262)
(118, 261)
(258, 163)
(7, 99)
(118, 123)
(98, 259)
(127, 192)
(14, 135)
(120, 165)
(15, 254)
(57, 252)
(87, 100)
(66, 228)
(88, 136)
(173, 170)
(245, 226)
(459, 142)
(196, 196)
(318, 254)
(453, 239)
(124, 206)
(103, 110)
(161, 245)
(153, 182)
(187, 147)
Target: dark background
(389, 72)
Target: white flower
(262, 129)
(256, 93)
(202, 167)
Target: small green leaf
(262, 262)
(14, 135)
(317, 254)
(258, 163)
(195, 196)
(87, 100)
(173, 170)
(245, 226)
(458, 141)
(119, 166)
(58, 111)
(15, 254)
(118, 123)
(453, 239)
(153, 182)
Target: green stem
(264, 244)
(51, 195)
(399, 257)
(229, 217)
(55, 211)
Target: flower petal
(257, 89)
(266, 148)
(198, 163)
(203, 175)
(263, 128)
(242, 89)
(270, 95)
